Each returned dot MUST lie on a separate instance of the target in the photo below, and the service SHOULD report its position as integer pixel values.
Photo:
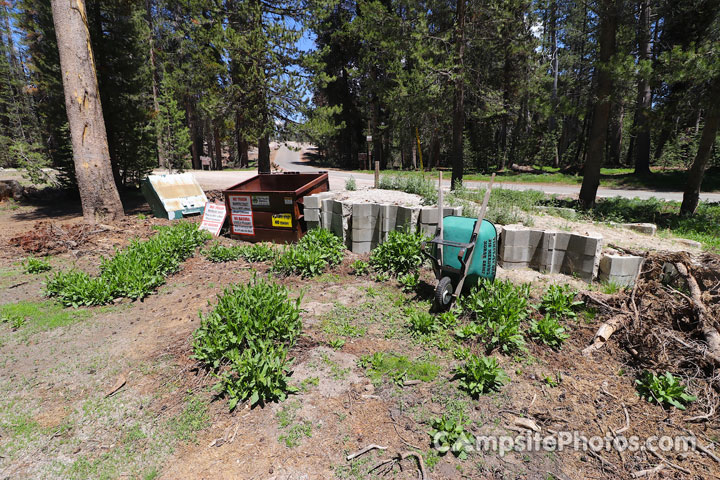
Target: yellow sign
(282, 220)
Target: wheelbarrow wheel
(444, 293)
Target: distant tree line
(490, 84)
(473, 85)
(178, 80)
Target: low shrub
(409, 282)
(559, 300)
(245, 338)
(256, 252)
(449, 434)
(411, 183)
(218, 253)
(350, 184)
(399, 255)
(664, 390)
(36, 265)
(497, 310)
(548, 330)
(422, 323)
(479, 375)
(133, 272)
(360, 267)
(315, 251)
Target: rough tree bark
(691, 196)
(644, 94)
(264, 155)
(98, 193)
(458, 107)
(601, 109)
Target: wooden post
(377, 174)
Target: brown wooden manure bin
(269, 206)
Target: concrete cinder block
(619, 265)
(515, 254)
(315, 200)
(312, 214)
(428, 229)
(362, 247)
(585, 244)
(646, 228)
(430, 214)
(407, 218)
(519, 236)
(312, 224)
(513, 265)
(366, 235)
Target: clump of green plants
(548, 330)
(449, 434)
(421, 322)
(497, 310)
(315, 251)
(398, 368)
(559, 301)
(218, 253)
(360, 267)
(411, 183)
(399, 255)
(350, 184)
(257, 252)
(244, 340)
(409, 282)
(133, 272)
(36, 265)
(479, 375)
(664, 390)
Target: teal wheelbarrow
(463, 251)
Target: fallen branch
(391, 462)
(711, 334)
(665, 460)
(604, 332)
(365, 450)
(649, 472)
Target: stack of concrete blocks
(550, 252)
(366, 226)
(619, 269)
(572, 254)
(313, 209)
(428, 219)
(337, 217)
(520, 247)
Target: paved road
(291, 160)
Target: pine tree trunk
(601, 109)
(153, 77)
(458, 124)
(644, 96)
(691, 196)
(616, 133)
(98, 193)
(218, 149)
(552, 122)
(264, 155)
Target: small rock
(690, 243)
(646, 228)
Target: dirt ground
(111, 392)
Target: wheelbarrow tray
(457, 231)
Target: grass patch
(33, 317)
(294, 431)
(193, 418)
(399, 368)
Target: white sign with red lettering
(213, 218)
(242, 224)
(240, 204)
